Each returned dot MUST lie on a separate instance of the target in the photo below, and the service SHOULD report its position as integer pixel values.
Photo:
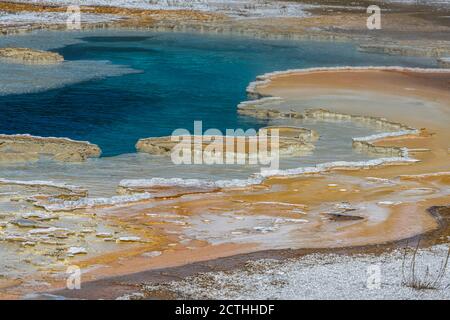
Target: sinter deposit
(23, 148)
(293, 141)
(32, 56)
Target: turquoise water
(166, 81)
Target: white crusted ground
(319, 277)
(234, 8)
(442, 3)
(85, 203)
(27, 18)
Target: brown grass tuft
(427, 280)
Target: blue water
(181, 78)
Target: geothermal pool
(116, 87)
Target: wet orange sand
(433, 89)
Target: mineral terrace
(30, 56)
(293, 141)
(24, 148)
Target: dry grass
(422, 278)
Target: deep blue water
(183, 78)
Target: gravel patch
(319, 276)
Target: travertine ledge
(405, 50)
(262, 81)
(293, 141)
(24, 148)
(30, 56)
(268, 108)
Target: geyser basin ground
(140, 85)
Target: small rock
(60, 234)
(50, 242)
(389, 203)
(287, 220)
(344, 206)
(39, 216)
(152, 254)
(27, 55)
(104, 235)
(15, 238)
(25, 223)
(264, 229)
(129, 239)
(343, 217)
(152, 214)
(87, 230)
(4, 215)
(47, 230)
(76, 250)
(28, 244)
